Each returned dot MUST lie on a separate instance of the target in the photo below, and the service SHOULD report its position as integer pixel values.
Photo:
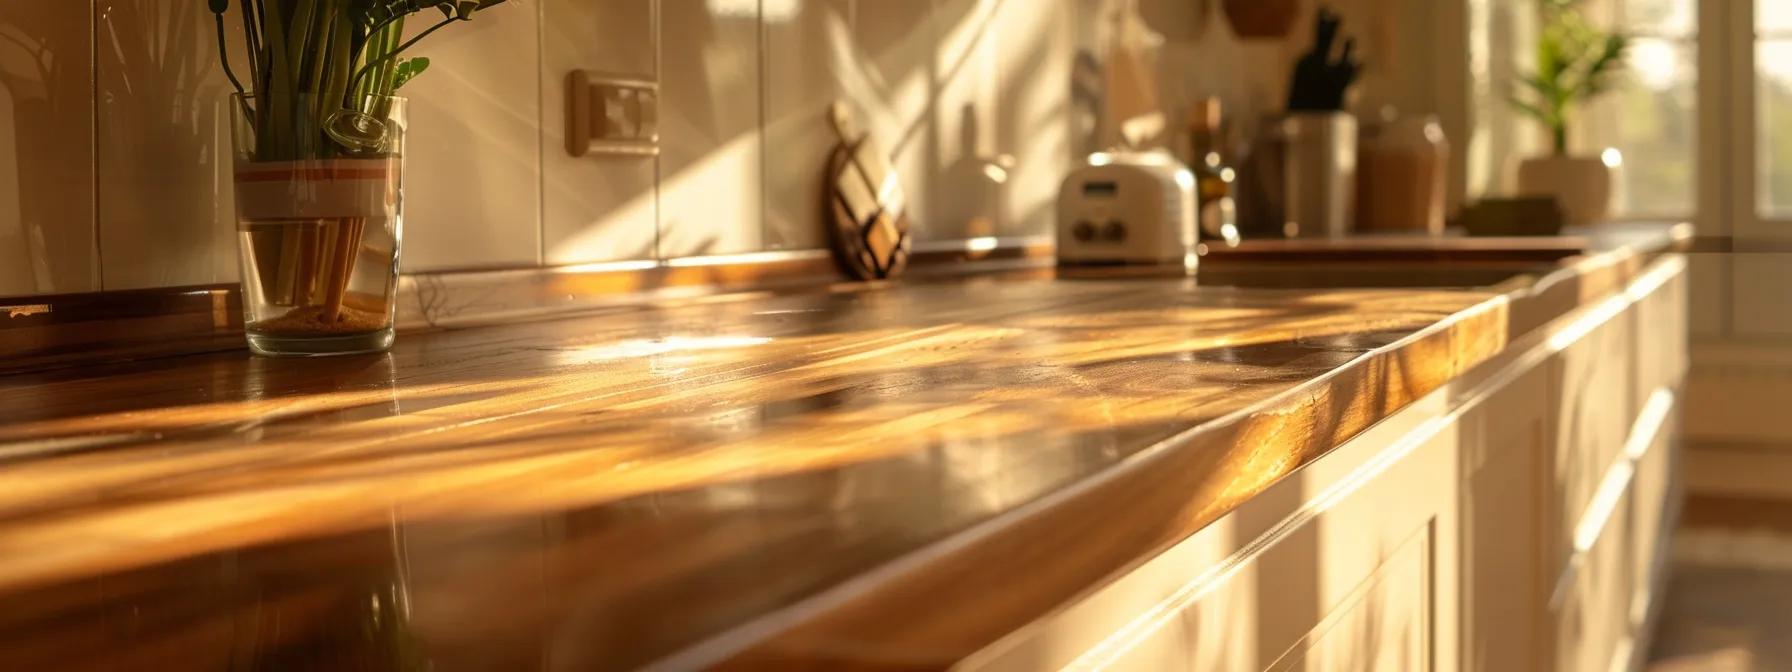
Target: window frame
(1743, 202)
(1613, 12)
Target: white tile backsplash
(710, 146)
(965, 199)
(969, 96)
(595, 207)
(802, 62)
(162, 149)
(473, 155)
(46, 149)
(877, 56)
(1033, 126)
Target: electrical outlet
(609, 114)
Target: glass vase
(320, 203)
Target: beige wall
(114, 143)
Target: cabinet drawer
(1593, 597)
(1340, 571)
(1660, 326)
(1655, 491)
(1382, 625)
(1334, 594)
(1594, 409)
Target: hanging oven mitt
(865, 204)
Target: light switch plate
(609, 114)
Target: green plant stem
(389, 56)
(224, 56)
(250, 41)
(300, 33)
(1558, 133)
(333, 89)
(375, 30)
(378, 44)
(254, 20)
(307, 59)
(274, 119)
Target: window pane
(1649, 117)
(1664, 18)
(1773, 15)
(1773, 126)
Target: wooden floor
(1729, 601)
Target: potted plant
(1575, 62)
(319, 173)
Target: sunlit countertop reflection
(850, 477)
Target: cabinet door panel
(1591, 616)
(1661, 333)
(1594, 409)
(1383, 625)
(1348, 588)
(1506, 442)
(1656, 486)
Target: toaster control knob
(1114, 231)
(1083, 231)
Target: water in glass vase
(319, 286)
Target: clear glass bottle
(1215, 182)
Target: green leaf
(1544, 87)
(1610, 58)
(408, 68)
(1576, 60)
(382, 11)
(464, 9)
(1531, 110)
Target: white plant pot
(1581, 184)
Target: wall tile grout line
(765, 234)
(658, 36)
(541, 131)
(98, 276)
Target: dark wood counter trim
(67, 329)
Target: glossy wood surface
(45, 332)
(871, 476)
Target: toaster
(1127, 208)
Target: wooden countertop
(872, 476)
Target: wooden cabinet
(1334, 568)
(1607, 525)
(1342, 586)
(1507, 442)
(1514, 520)
(1660, 327)
(1657, 493)
(1589, 610)
(1383, 623)
(1592, 392)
